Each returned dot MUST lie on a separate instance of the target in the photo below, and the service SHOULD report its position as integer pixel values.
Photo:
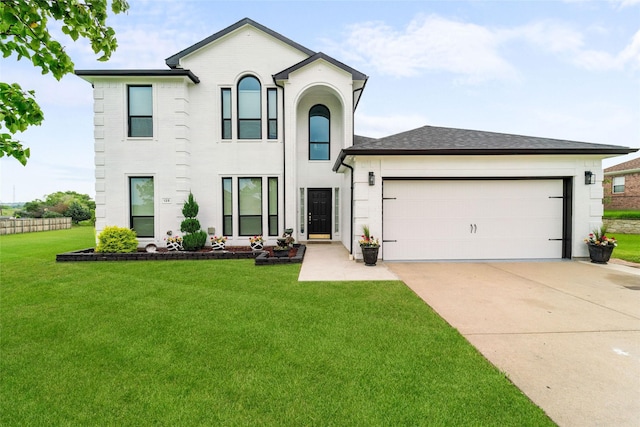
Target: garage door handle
(474, 228)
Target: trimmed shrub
(118, 240)
(194, 241)
(190, 208)
(194, 238)
(190, 225)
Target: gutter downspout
(284, 162)
(351, 208)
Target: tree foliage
(79, 207)
(24, 32)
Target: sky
(566, 69)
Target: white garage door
(476, 219)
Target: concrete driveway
(566, 333)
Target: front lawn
(628, 247)
(227, 343)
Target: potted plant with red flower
(369, 246)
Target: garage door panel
(472, 219)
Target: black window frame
(272, 122)
(226, 122)
(227, 219)
(241, 216)
(130, 116)
(239, 105)
(328, 142)
(132, 216)
(272, 219)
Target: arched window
(249, 108)
(319, 124)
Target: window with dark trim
(226, 113)
(618, 184)
(227, 207)
(249, 206)
(140, 111)
(249, 108)
(272, 113)
(141, 205)
(273, 206)
(319, 125)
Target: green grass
(228, 343)
(622, 214)
(628, 247)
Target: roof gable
(355, 74)
(174, 60)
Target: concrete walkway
(567, 333)
(329, 261)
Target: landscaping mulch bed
(264, 257)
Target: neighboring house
(260, 129)
(622, 185)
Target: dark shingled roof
(431, 140)
(355, 74)
(174, 60)
(630, 165)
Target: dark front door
(319, 213)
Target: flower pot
(600, 254)
(218, 246)
(174, 246)
(370, 255)
(257, 246)
(281, 253)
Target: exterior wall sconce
(372, 179)
(589, 178)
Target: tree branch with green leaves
(24, 32)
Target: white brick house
(260, 130)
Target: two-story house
(261, 130)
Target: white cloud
(471, 52)
(428, 43)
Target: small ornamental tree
(195, 238)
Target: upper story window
(618, 184)
(249, 108)
(226, 113)
(319, 124)
(272, 113)
(140, 101)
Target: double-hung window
(272, 113)
(273, 206)
(618, 184)
(227, 207)
(249, 108)
(141, 205)
(226, 113)
(319, 125)
(250, 206)
(140, 111)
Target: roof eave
(486, 151)
(87, 74)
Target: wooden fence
(31, 225)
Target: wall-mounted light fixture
(589, 178)
(372, 179)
